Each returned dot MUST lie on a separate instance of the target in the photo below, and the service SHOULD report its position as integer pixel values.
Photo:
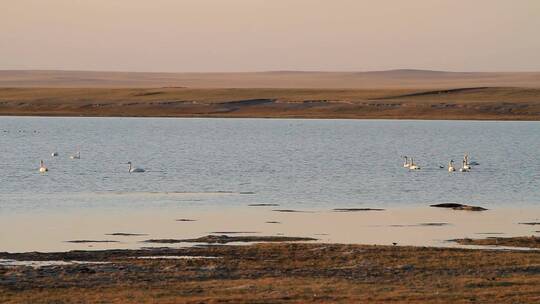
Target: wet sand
(276, 273)
(118, 228)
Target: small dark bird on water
(394, 244)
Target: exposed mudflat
(456, 206)
(126, 234)
(223, 239)
(355, 209)
(291, 211)
(91, 241)
(263, 205)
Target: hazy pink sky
(255, 35)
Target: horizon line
(265, 71)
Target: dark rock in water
(263, 205)
(185, 220)
(433, 224)
(531, 223)
(447, 205)
(126, 234)
(356, 209)
(457, 206)
(92, 241)
(164, 241)
(223, 239)
(421, 224)
(233, 232)
(288, 210)
(470, 208)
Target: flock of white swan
(465, 164)
(43, 168)
(409, 164)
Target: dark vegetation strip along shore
(478, 103)
(521, 241)
(277, 273)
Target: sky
(264, 35)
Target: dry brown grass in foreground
(277, 273)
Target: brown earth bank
(521, 241)
(277, 273)
(479, 103)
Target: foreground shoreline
(283, 272)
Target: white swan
(406, 164)
(134, 170)
(464, 167)
(76, 156)
(413, 166)
(451, 166)
(42, 167)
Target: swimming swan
(413, 166)
(406, 164)
(42, 168)
(464, 167)
(135, 170)
(466, 164)
(451, 166)
(76, 156)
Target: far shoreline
(435, 118)
(465, 103)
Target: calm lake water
(294, 163)
(210, 170)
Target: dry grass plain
(279, 273)
(391, 79)
(397, 94)
(482, 103)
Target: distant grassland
(393, 79)
(480, 103)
